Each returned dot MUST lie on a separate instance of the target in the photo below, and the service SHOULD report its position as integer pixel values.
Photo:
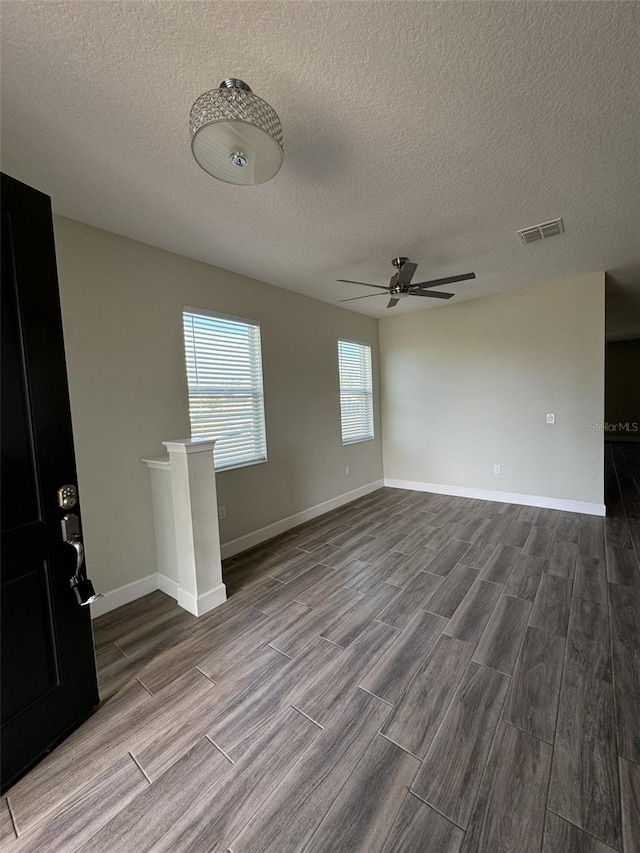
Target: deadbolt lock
(67, 497)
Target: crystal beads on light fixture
(236, 136)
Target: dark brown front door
(48, 666)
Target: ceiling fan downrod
(398, 263)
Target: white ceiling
(433, 130)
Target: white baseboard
(124, 594)
(501, 497)
(198, 605)
(209, 600)
(168, 585)
(250, 540)
(203, 603)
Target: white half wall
(466, 387)
(122, 307)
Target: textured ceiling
(433, 130)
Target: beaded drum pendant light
(235, 136)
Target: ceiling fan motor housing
(399, 290)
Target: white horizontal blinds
(356, 391)
(226, 401)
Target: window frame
(362, 438)
(218, 315)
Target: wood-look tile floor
(411, 672)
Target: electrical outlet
(497, 469)
(347, 470)
(222, 512)
(551, 418)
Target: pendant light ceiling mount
(236, 136)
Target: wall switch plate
(347, 470)
(497, 469)
(222, 512)
(551, 418)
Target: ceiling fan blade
(366, 284)
(366, 296)
(393, 302)
(406, 272)
(435, 295)
(450, 280)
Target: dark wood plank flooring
(411, 672)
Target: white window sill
(358, 440)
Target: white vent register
(541, 231)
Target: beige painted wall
(622, 389)
(122, 311)
(469, 386)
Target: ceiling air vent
(539, 232)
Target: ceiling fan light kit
(400, 284)
(236, 137)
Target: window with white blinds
(226, 400)
(356, 391)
